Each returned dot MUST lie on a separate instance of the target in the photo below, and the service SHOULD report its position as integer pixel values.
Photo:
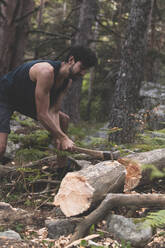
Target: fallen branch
(116, 200)
(46, 181)
(8, 170)
(77, 242)
(40, 162)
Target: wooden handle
(93, 153)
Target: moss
(14, 137)
(155, 172)
(161, 131)
(27, 155)
(27, 122)
(147, 143)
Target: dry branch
(8, 170)
(116, 200)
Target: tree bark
(13, 31)
(39, 24)
(150, 59)
(79, 191)
(130, 75)
(87, 13)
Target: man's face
(77, 70)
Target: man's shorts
(5, 116)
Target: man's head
(83, 54)
(80, 60)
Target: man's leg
(3, 144)
(5, 115)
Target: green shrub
(27, 155)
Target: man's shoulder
(46, 63)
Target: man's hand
(64, 144)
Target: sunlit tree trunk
(13, 32)
(87, 11)
(92, 77)
(130, 75)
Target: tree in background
(130, 75)
(111, 23)
(14, 18)
(155, 53)
(49, 32)
(84, 36)
(59, 27)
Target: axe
(104, 155)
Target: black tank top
(19, 90)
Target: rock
(156, 119)
(10, 234)
(15, 125)
(158, 135)
(153, 103)
(101, 134)
(124, 229)
(10, 215)
(9, 243)
(59, 227)
(11, 149)
(154, 91)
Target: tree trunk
(149, 73)
(13, 31)
(87, 12)
(39, 24)
(130, 75)
(81, 190)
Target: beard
(73, 75)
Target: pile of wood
(83, 189)
(89, 192)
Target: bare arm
(43, 74)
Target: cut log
(81, 190)
(133, 175)
(155, 157)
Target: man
(36, 89)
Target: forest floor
(36, 235)
(22, 192)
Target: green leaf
(84, 243)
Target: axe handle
(93, 153)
